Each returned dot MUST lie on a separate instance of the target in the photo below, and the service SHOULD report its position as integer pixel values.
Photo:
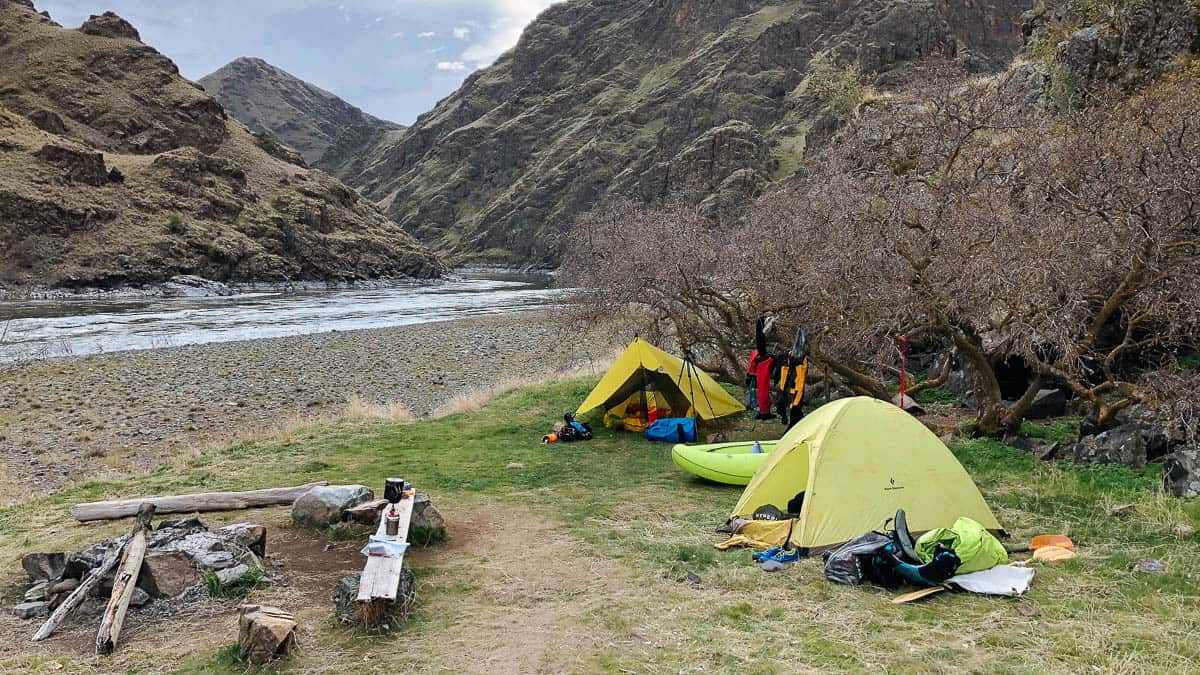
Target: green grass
(1057, 431)
(426, 536)
(237, 588)
(224, 660)
(1190, 361)
(643, 525)
(935, 395)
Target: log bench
(381, 576)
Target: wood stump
(376, 613)
(265, 633)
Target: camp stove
(394, 489)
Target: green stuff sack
(973, 544)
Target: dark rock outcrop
(1181, 471)
(77, 166)
(1122, 445)
(110, 25)
(1133, 46)
(1047, 403)
(300, 115)
(48, 121)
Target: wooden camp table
(381, 577)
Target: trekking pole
(903, 367)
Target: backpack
(574, 431)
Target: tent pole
(644, 414)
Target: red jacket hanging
(761, 370)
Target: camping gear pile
(892, 559)
(569, 431)
(830, 481)
(824, 487)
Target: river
(72, 327)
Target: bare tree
(951, 214)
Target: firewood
(125, 583)
(81, 592)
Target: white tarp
(1000, 580)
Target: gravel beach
(69, 420)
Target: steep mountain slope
(714, 97)
(116, 170)
(301, 115)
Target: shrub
(237, 588)
(1059, 431)
(935, 395)
(175, 224)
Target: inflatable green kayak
(731, 463)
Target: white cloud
(452, 66)
(462, 32)
(426, 35)
(378, 19)
(512, 18)
(396, 36)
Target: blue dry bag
(672, 430)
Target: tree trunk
(124, 584)
(208, 501)
(858, 381)
(987, 388)
(1016, 413)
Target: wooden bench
(381, 577)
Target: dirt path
(534, 596)
(509, 593)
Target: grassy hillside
(115, 170)
(710, 98)
(576, 561)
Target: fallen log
(81, 591)
(125, 583)
(205, 501)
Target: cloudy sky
(392, 58)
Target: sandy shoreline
(69, 420)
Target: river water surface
(50, 328)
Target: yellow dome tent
(646, 374)
(857, 461)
